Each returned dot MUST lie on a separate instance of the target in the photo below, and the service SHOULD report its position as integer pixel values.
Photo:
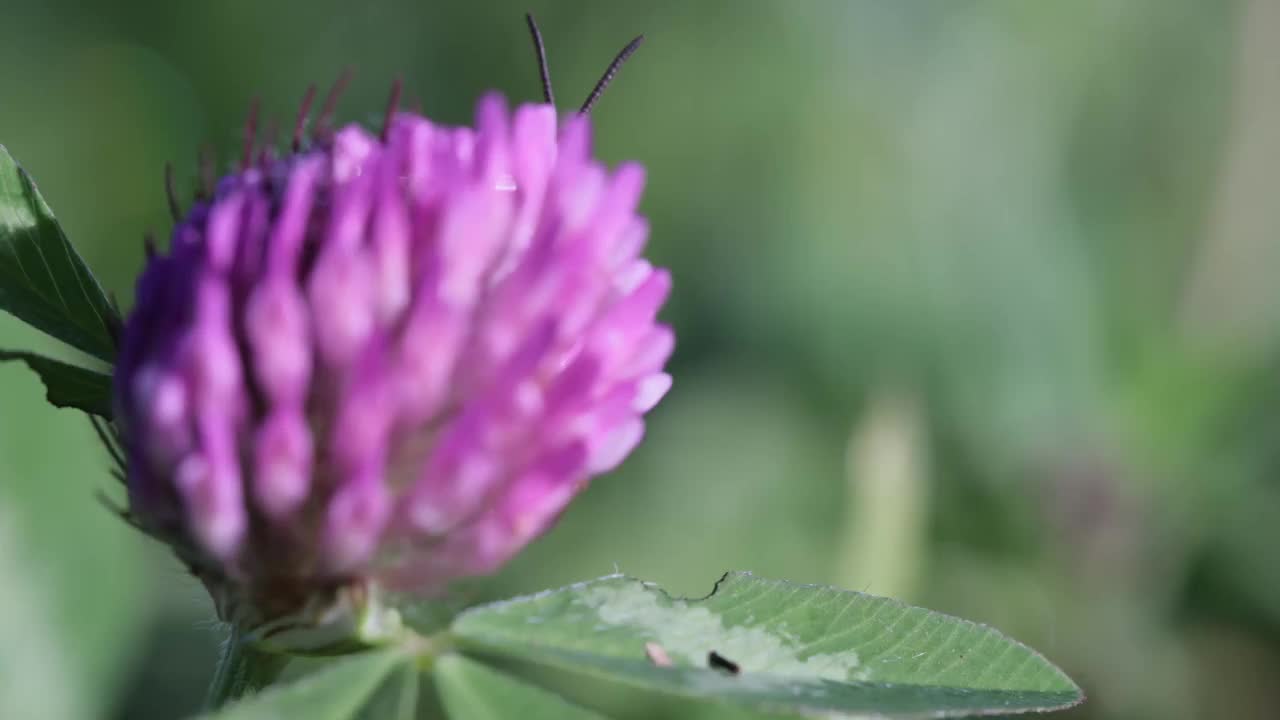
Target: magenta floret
(392, 359)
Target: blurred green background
(975, 300)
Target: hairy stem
(242, 669)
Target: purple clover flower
(390, 358)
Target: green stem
(242, 669)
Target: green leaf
(428, 616)
(335, 692)
(43, 281)
(68, 386)
(802, 649)
(397, 699)
(472, 691)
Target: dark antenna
(393, 104)
(300, 124)
(331, 101)
(250, 135)
(175, 209)
(544, 72)
(610, 72)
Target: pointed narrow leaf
(43, 281)
(68, 386)
(472, 691)
(335, 692)
(798, 649)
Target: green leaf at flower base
(397, 699)
(472, 691)
(801, 649)
(43, 281)
(68, 386)
(335, 692)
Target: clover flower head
(390, 356)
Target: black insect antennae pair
(544, 72)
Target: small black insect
(716, 661)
